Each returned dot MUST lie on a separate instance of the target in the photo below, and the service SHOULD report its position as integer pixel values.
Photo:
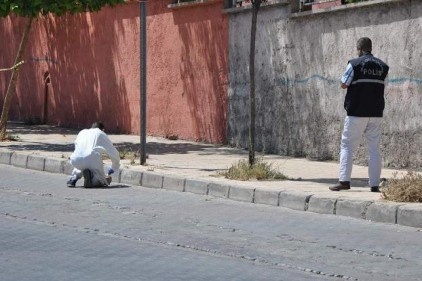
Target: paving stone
(53, 165)
(382, 212)
(321, 205)
(117, 177)
(196, 186)
(5, 157)
(67, 168)
(152, 180)
(293, 200)
(36, 162)
(131, 177)
(240, 193)
(410, 215)
(218, 190)
(352, 208)
(174, 183)
(19, 160)
(267, 197)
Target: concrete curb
(267, 197)
(130, 177)
(355, 209)
(294, 200)
(322, 205)
(196, 186)
(383, 212)
(410, 215)
(19, 160)
(218, 190)
(54, 165)
(244, 194)
(406, 214)
(5, 157)
(152, 180)
(174, 183)
(36, 162)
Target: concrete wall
(93, 64)
(299, 62)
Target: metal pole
(143, 79)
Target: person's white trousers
(94, 163)
(354, 129)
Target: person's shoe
(87, 178)
(71, 183)
(383, 183)
(375, 189)
(108, 179)
(342, 185)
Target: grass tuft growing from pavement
(129, 154)
(261, 170)
(405, 189)
(11, 138)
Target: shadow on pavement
(18, 146)
(158, 148)
(22, 129)
(113, 186)
(355, 182)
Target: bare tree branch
(13, 67)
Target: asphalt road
(51, 232)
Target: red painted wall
(93, 65)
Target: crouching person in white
(90, 144)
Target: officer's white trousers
(354, 129)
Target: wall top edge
(263, 5)
(345, 7)
(192, 4)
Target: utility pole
(143, 78)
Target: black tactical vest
(365, 94)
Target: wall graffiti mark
(402, 80)
(315, 76)
(47, 59)
(290, 82)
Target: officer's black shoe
(87, 178)
(375, 189)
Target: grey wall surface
(299, 62)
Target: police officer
(364, 80)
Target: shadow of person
(112, 186)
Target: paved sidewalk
(193, 167)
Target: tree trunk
(12, 83)
(255, 8)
